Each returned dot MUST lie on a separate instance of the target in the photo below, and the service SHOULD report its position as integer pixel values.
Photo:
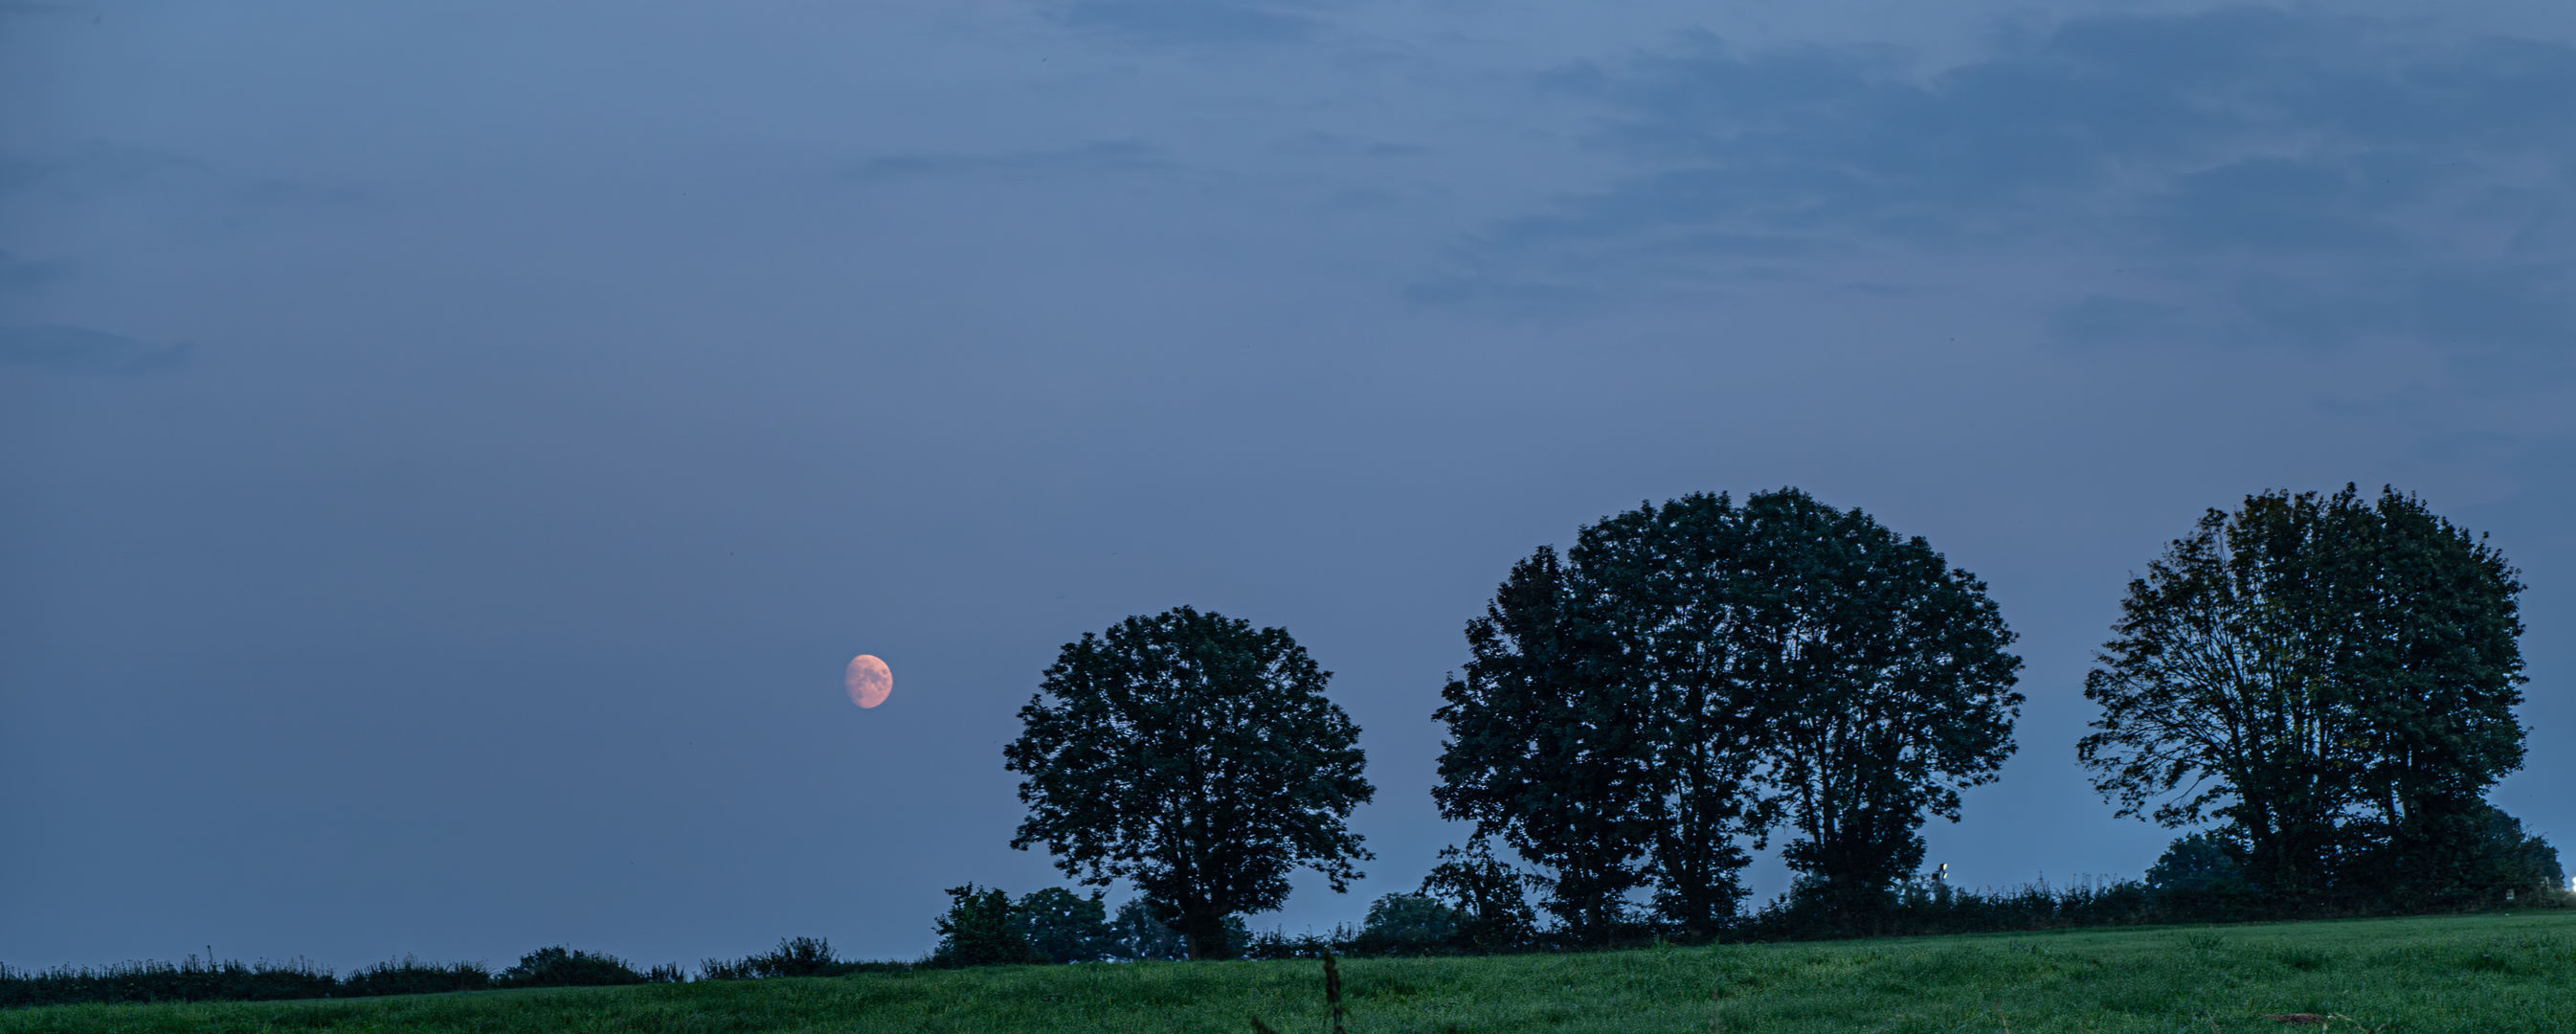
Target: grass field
(2486, 974)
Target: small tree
(980, 930)
(562, 966)
(1143, 937)
(794, 957)
(1196, 757)
(2199, 875)
(1407, 924)
(1487, 893)
(1065, 927)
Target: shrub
(794, 957)
(1487, 894)
(2464, 860)
(980, 930)
(1066, 928)
(190, 981)
(1408, 924)
(1277, 944)
(410, 976)
(1141, 936)
(562, 966)
(2201, 876)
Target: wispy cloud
(1114, 155)
(69, 349)
(2256, 175)
(18, 272)
(1191, 22)
(95, 166)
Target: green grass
(2485, 974)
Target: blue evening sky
(448, 451)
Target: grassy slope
(2480, 973)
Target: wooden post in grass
(1333, 992)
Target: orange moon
(869, 679)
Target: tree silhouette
(1196, 757)
(2332, 680)
(1547, 746)
(1691, 674)
(1885, 682)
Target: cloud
(1343, 145)
(97, 166)
(18, 272)
(40, 7)
(117, 174)
(1190, 22)
(2109, 319)
(2269, 176)
(69, 349)
(1115, 155)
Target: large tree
(2329, 679)
(1625, 712)
(1196, 757)
(2213, 699)
(2432, 668)
(1667, 587)
(1547, 746)
(1885, 686)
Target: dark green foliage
(2452, 975)
(1064, 927)
(1668, 587)
(1886, 687)
(189, 981)
(980, 929)
(798, 957)
(794, 957)
(2195, 862)
(1279, 944)
(1921, 907)
(1408, 924)
(1692, 674)
(724, 969)
(1486, 893)
(1197, 758)
(193, 980)
(2521, 861)
(410, 976)
(1547, 746)
(1141, 936)
(2200, 876)
(2465, 859)
(564, 966)
(2332, 681)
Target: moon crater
(869, 680)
